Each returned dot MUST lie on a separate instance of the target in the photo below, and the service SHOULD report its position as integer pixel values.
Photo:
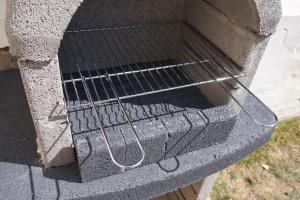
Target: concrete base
(22, 177)
(167, 125)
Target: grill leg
(206, 187)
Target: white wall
(290, 7)
(3, 39)
(277, 80)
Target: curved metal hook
(169, 170)
(123, 167)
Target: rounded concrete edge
(33, 28)
(269, 13)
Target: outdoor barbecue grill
(125, 85)
(106, 66)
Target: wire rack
(112, 64)
(134, 61)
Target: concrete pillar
(34, 30)
(206, 187)
(43, 88)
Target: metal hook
(92, 104)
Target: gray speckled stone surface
(22, 177)
(35, 27)
(167, 125)
(267, 25)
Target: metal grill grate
(159, 60)
(111, 64)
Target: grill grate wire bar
(123, 81)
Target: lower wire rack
(112, 64)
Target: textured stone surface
(268, 14)
(22, 178)
(167, 125)
(45, 98)
(35, 30)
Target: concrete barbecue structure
(69, 51)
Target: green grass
(221, 188)
(271, 172)
(287, 133)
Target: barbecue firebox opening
(128, 65)
(126, 49)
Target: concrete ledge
(22, 178)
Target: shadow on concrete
(17, 133)
(68, 173)
(173, 166)
(18, 136)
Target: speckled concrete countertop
(22, 177)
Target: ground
(271, 172)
